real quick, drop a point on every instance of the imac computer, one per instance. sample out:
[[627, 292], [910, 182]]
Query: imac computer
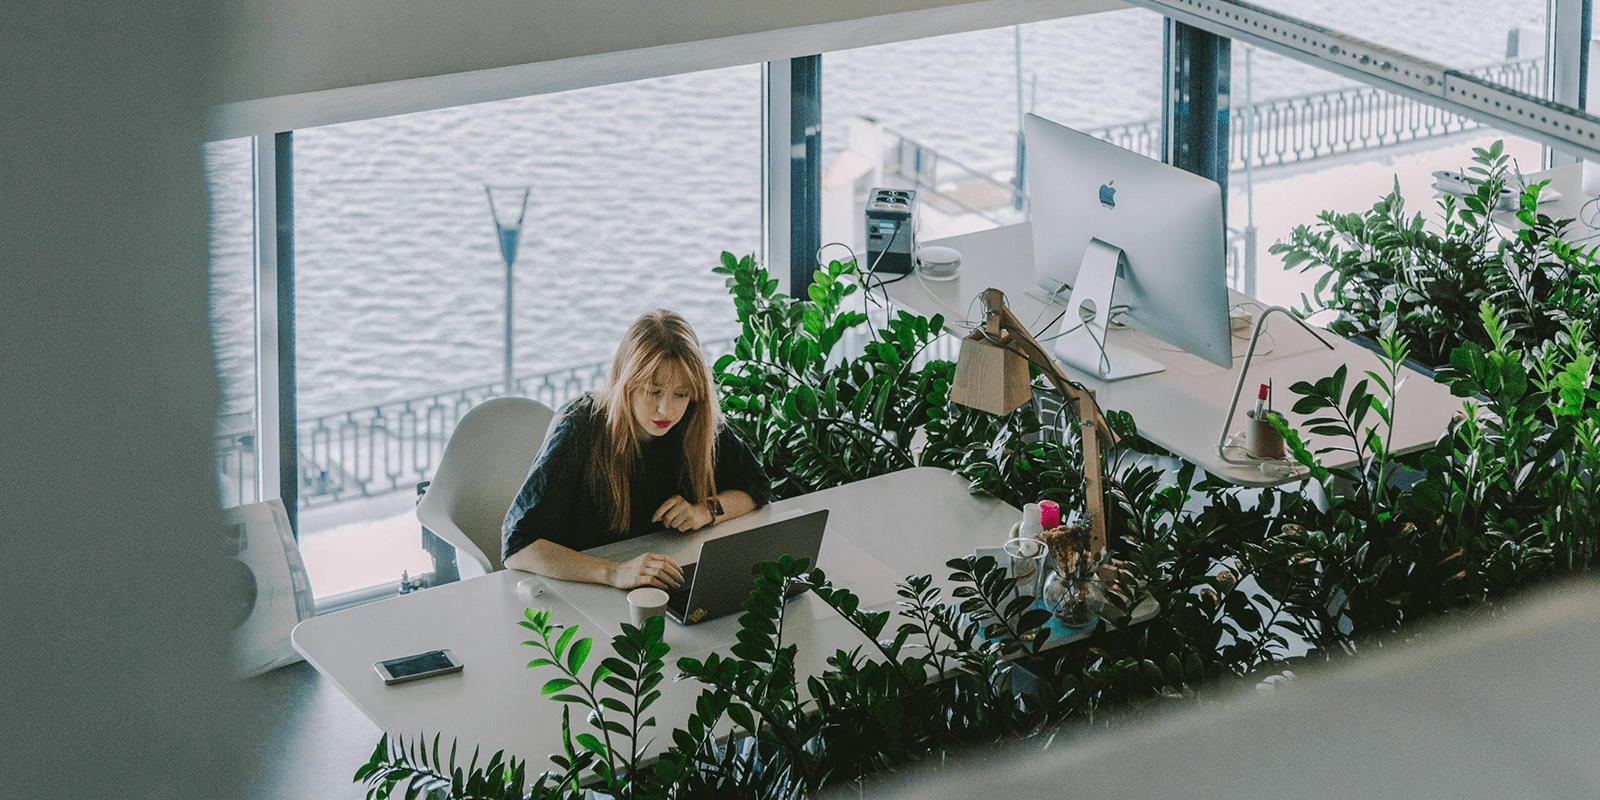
[[1123, 231]]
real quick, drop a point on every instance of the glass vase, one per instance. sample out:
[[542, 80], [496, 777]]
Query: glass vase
[[1071, 600]]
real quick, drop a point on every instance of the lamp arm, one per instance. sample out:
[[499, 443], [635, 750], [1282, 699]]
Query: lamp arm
[[1023, 344], [1009, 332]]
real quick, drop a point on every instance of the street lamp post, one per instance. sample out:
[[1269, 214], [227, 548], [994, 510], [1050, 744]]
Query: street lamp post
[[507, 233]]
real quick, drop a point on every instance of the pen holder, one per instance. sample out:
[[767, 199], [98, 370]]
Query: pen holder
[[1261, 440]]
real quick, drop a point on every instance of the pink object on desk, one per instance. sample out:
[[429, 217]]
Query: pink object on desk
[[1049, 514]]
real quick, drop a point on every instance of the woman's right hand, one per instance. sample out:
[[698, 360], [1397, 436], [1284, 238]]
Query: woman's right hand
[[650, 569]]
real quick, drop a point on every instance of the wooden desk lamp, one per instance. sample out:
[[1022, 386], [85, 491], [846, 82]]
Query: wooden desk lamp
[[992, 375]]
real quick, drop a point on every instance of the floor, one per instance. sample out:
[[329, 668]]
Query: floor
[[319, 738]]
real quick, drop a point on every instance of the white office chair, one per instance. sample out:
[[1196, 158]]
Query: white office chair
[[482, 470]]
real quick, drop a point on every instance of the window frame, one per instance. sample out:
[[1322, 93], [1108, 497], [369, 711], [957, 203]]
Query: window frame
[[791, 130]]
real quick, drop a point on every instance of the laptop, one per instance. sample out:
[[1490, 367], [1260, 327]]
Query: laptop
[[720, 580]]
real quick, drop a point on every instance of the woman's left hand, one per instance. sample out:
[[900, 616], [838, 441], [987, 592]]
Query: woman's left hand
[[681, 515]]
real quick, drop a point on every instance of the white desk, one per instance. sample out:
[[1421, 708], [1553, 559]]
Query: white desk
[[1182, 407], [913, 520], [1568, 180]]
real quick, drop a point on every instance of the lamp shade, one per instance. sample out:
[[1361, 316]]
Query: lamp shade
[[990, 377]]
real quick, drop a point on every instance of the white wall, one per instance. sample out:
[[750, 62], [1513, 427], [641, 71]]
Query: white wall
[[298, 63], [113, 676]]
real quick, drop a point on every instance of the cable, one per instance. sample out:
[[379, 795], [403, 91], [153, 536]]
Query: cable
[[1111, 324], [847, 248], [937, 298], [896, 279], [1105, 358], [872, 272], [1260, 310], [966, 319], [854, 259], [866, 280], [1242, 303], [962, 319], [1049, 324], [1588, 217], [1049, 301]]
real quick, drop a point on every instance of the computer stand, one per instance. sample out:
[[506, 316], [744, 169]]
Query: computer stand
[[1083, 342], [1244, 371]]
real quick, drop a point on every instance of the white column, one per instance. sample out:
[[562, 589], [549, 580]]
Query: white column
[[266, 318], [1566, 38], [775, 170]]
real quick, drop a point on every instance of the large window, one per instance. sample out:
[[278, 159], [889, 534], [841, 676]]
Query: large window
[[942, 114], [635, 190], [1316, 141]]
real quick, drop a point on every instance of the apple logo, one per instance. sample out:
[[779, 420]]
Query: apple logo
[[1108, 195]]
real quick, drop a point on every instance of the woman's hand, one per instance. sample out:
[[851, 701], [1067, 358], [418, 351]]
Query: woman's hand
[[650, 569], [681, 515]]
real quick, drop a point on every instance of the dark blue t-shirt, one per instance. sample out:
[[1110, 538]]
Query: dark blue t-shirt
[[558, 504]]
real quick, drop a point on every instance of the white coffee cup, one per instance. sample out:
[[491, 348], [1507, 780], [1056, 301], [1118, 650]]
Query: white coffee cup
[[645, 603]]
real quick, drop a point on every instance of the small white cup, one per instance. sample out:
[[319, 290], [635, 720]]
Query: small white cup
[[1027, 558], [529, 588], [645, 603]]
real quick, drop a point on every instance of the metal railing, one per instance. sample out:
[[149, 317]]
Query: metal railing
[[234, 444], [1236, 240], [1290, 130], [391, 446]]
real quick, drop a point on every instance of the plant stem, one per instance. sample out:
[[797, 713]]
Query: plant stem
[[895, 448]]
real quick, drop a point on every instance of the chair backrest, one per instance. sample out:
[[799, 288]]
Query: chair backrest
[[482, 469]]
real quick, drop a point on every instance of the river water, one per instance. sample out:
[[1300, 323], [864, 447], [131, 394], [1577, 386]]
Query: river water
[[638, 187]]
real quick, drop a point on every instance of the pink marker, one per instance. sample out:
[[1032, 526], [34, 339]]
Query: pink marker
[[1049, 514], [1261, 404]]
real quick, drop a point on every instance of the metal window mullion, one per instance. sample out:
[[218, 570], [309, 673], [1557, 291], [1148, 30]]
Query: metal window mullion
[[805, 170], [288, 439], [1195, 100]]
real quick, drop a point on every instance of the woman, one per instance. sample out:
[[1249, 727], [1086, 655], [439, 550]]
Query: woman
[[647, 449]]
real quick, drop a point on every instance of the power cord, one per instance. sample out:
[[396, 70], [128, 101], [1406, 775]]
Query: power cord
[[866, 279], [872, 273], [1589, 213], [965, 316], [1050, 300]]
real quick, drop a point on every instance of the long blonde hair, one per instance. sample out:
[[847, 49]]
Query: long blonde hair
[[657, 339]]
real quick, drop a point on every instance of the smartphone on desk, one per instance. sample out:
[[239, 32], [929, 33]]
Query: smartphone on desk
[[417, 667]]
